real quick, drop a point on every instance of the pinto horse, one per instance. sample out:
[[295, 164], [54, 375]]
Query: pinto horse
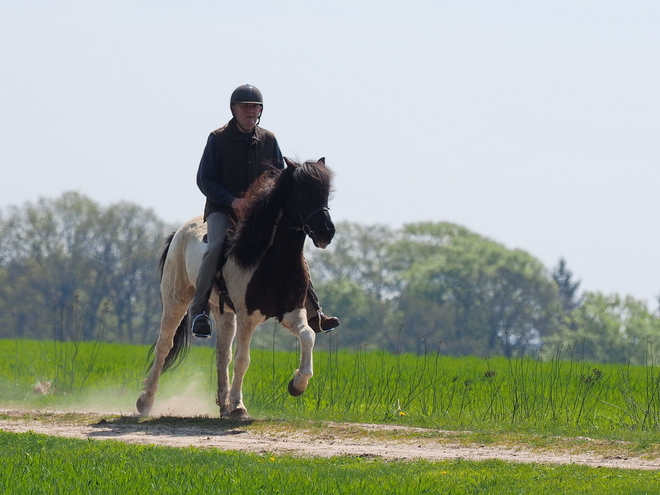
[[265, 275]]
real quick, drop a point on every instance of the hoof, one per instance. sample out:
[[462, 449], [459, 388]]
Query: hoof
[[239, 414], [142, 407], [293, 390]]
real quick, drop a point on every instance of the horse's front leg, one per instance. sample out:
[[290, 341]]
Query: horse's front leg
[[244, 331], [226, 325], [296, 322]]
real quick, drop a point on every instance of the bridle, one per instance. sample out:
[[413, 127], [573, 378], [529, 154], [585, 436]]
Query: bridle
[[304, 226]]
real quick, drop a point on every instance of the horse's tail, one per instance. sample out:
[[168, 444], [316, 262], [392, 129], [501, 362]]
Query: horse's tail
[[180, 347], [182, 341], [183, 334], [163, 255]]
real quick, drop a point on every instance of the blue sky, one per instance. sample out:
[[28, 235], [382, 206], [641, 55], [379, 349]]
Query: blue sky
[[532, 123]]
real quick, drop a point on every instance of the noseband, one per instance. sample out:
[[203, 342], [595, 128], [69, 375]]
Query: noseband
[[304, 227]]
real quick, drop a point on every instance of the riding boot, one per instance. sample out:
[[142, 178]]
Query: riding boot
[[319, 322]]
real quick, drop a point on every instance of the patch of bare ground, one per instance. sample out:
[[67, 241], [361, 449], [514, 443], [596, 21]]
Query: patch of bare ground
[[328, 439]]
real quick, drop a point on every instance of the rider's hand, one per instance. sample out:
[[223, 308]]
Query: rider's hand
[[237, 203]]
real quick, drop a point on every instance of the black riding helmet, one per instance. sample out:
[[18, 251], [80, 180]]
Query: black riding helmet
[[246, 94]]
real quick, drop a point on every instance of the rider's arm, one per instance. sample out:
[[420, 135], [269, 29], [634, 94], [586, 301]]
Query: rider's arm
[[278, 161], [208, 175]]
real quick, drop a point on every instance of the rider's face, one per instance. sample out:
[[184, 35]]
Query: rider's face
[[247, 115]]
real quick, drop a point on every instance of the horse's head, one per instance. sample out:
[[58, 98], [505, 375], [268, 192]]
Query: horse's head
[[312, 184]]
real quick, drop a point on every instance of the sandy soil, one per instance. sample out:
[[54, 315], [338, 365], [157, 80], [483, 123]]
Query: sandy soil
[[333, 439]]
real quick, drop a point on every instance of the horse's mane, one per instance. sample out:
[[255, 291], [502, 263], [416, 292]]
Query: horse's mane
[[264, 201], [256, 218]]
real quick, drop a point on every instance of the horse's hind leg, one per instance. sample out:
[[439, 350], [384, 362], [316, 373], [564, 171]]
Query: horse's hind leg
[[226, 327], [296, 322], [173, 314]]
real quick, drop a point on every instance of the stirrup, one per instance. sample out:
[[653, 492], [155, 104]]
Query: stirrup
[[201, 326]]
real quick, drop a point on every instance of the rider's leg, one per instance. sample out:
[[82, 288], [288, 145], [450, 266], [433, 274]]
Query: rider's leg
[[217, 224], [316, 319]]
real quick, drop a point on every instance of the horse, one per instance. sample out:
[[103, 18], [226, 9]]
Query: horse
[[265, 274]]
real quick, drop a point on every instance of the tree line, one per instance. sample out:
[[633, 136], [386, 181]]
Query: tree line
[[440, 287], [71, 268]]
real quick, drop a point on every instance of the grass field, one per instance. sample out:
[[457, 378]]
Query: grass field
[[533, 400], [562, 396], [42, 464]]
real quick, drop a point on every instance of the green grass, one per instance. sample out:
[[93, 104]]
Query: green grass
[[517, 402], [41, 464], [84, 374], [563, 396]]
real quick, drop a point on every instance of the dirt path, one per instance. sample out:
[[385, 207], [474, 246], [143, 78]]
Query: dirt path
[[325, 440]]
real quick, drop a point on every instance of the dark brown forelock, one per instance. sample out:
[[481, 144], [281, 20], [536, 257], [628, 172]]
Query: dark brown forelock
[[315, 176]]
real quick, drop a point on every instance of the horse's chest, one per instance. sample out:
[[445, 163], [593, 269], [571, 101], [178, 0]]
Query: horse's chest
[[277, 287]]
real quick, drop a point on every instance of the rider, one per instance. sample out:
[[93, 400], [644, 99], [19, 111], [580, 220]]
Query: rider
[[234, 157]]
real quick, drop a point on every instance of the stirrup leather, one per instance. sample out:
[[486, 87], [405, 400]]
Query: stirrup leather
[[320, 315]]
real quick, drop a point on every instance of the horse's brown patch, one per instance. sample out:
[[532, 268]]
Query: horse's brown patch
[[279, 284]]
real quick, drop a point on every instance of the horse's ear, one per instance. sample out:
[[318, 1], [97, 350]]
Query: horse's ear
[[322, 160], [290, 163]]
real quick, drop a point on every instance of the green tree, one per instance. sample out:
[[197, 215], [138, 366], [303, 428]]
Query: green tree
[[473, 294], [428, 283], [355, 280], [358, 253], [71, 255], [364, 315], [611, 328], [129, 246], [568, 288], [47, 250]]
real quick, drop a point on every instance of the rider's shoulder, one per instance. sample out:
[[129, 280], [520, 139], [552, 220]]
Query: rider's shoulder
[[263, 133], [221, 130]]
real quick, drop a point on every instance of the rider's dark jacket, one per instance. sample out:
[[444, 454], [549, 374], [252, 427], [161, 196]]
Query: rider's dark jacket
[[232, 160]]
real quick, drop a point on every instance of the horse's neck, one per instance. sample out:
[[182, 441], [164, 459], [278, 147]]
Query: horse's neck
[[287, 243], [280, 242]]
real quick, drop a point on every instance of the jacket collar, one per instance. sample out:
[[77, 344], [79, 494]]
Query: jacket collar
[[236, 135]]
